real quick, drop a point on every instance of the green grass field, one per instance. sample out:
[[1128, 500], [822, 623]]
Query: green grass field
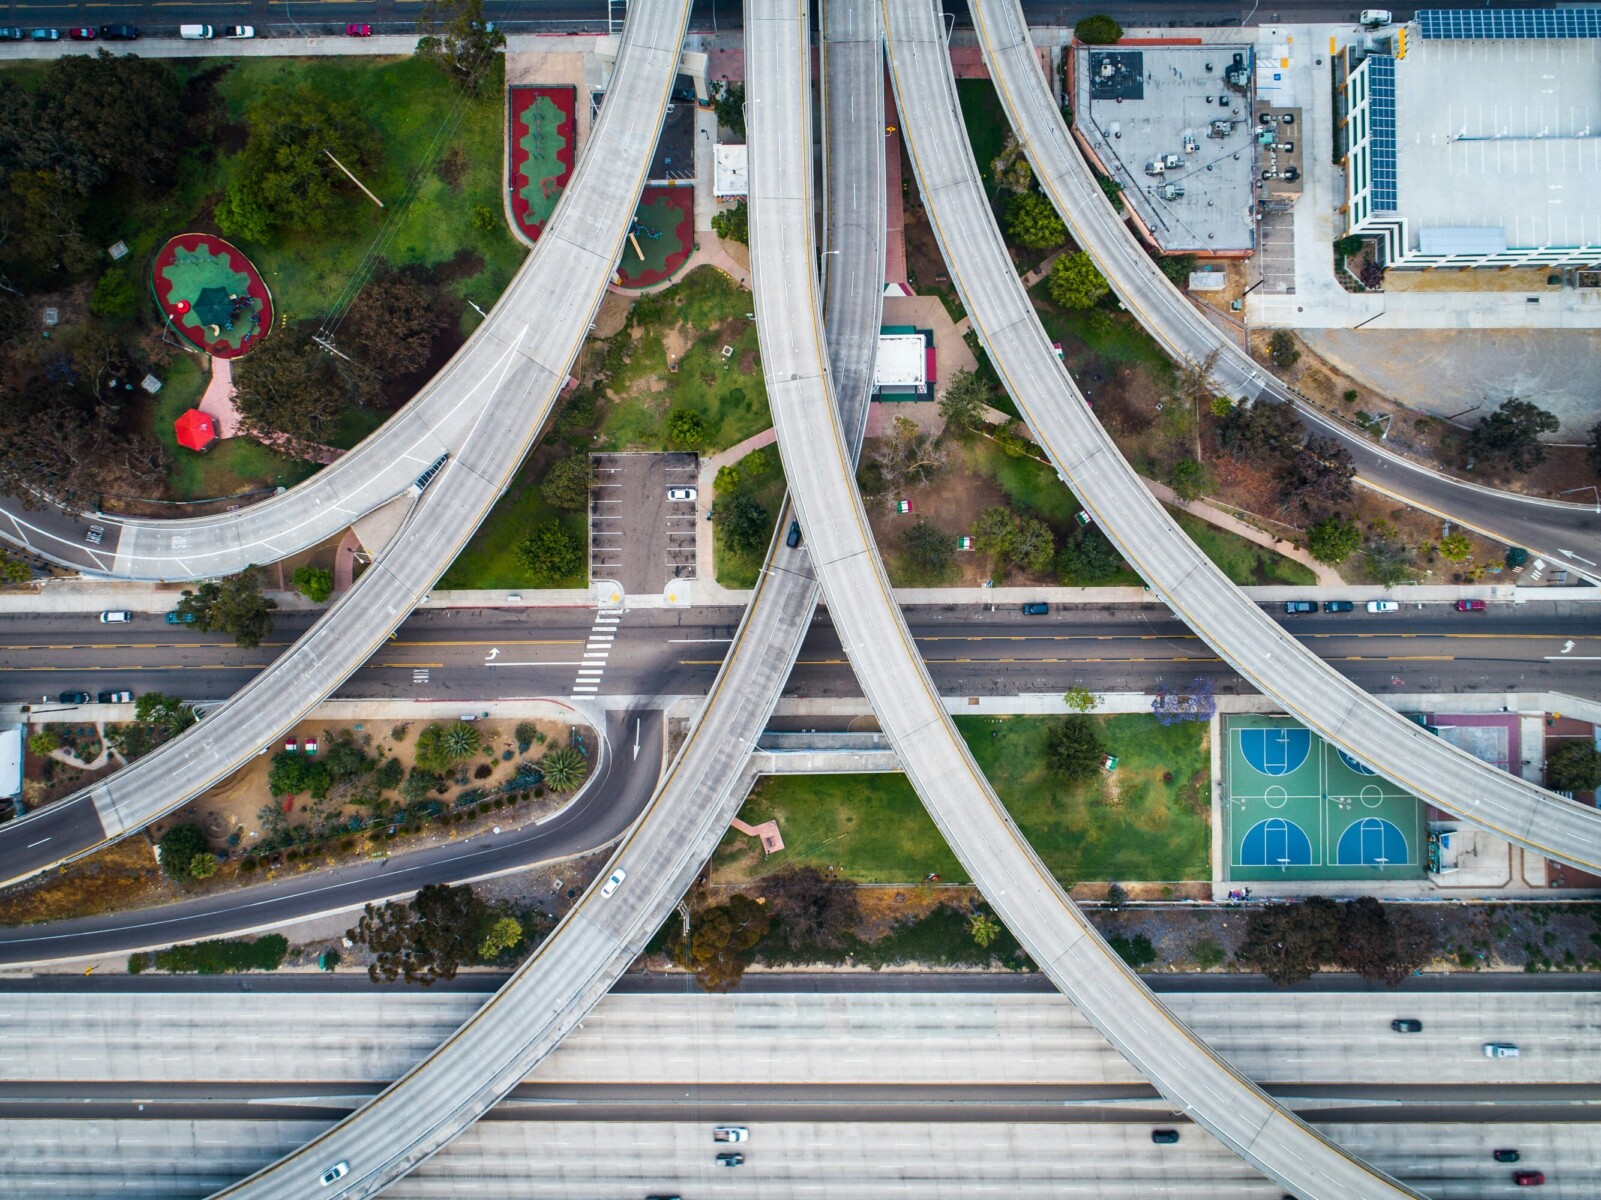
[[708, 311], [1244, 562], [489, 560], [761, 478], [1133, 825], [1115, 338], [229, 467], [986, 123]]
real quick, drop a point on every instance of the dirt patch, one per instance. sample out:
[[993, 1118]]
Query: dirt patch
[[120, 877], [677, 340], [613, 315], [1517, 279], [883, 908], [952, 503], [1237, 277]]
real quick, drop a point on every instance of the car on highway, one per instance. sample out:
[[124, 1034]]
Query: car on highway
[[335, 1173], [1470, 606], [47, 35], [1500, 1050], [83, 33], [356, 30], [681, 493], [180, 618], [1292, 607], [1407, 1025], [1528, 1178], [1505, 1156], [1337, 606], [793, 537], [730, 1133], [730, 1160], [1036, 608], [114, 698], [10, 33], [1381, 606], [1165, 1137], [614, 882], [116, 616], [120, 33], [237, 32], [73, 698]]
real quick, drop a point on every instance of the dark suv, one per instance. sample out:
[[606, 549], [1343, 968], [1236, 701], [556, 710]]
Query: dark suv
[[1165, 1137], [1407, 1025], [119, 33], [1300, 606], [74, 698], [1338, 606]]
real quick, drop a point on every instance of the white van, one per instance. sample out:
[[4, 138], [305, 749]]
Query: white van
[[195, 33], [1375, 17]]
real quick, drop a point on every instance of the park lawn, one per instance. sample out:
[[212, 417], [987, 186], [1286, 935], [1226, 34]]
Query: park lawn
[[1116, 338], [1125, 825], [699, 316], [986, 124], [229, 467], [761, 478], [873, 828], [1244, 562], [489, 559]]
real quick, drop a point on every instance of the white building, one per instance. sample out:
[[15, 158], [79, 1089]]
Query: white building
[[1472, 138], [730, 172]]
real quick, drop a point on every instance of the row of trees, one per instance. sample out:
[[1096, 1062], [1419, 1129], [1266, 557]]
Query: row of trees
[[1292, 942]]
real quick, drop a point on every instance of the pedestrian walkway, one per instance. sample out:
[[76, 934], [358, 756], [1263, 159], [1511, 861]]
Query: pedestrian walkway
[[767, 831]]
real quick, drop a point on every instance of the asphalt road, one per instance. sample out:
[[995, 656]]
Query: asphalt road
[[489, 654], [614, 796]]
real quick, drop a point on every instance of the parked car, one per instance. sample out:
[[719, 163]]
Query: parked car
[[10, 33], [83, 33], [1528, 1178], [119, 33], [1036, 608], [194, 33], [681, 493], [114, 698], [793, 537], [1383, 606], [1470, 606], [1407, 1025], [1299, 606], [180, 618], [355, 30], [74, 698], [47, 35], [1500, 1050], [730, 1133], [1375, 17], [1165, 1137], [116, 616], [238, 31], [614, 882], [730, 1160], [1337, 606], [1505, 1156]]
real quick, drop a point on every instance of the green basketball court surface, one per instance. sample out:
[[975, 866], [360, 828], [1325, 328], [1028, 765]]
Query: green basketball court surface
[[1297, 808]]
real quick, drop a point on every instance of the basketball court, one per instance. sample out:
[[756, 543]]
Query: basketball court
[[1298, 808]]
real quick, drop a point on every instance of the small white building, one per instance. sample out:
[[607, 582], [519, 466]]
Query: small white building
[[730, 177], [11, 761], [905, 368]]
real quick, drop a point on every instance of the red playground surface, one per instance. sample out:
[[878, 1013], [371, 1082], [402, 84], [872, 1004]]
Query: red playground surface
[[543, 138], [663, 236], [212, 295]]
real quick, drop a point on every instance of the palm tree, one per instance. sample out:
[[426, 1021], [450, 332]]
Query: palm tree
[[462, 740], [564, 768]]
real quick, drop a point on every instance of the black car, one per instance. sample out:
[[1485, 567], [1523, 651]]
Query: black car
[[1165, 1137], [793, 539], [1506, 1156], [730, 1160], [1300, 606], [1338, 606], [119, 33], [1407, 1025], [75, 698]]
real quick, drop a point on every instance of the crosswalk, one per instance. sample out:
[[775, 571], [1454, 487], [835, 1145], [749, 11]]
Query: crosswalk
[[596, 651]]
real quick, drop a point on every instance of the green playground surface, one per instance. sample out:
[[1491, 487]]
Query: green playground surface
[[542, 130], [211, 294], [1297, 808], [662, 236]]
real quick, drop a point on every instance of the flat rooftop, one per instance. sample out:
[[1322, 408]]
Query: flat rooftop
[[1500, 135], [902, 361], [1138, 104]]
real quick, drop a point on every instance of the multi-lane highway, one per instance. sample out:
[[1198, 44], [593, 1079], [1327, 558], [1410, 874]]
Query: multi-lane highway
[[493, 654]]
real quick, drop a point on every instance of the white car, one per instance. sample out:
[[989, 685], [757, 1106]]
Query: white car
[[336, 1172], [1500, 1050], [682, 494], [615, 882], [116, 616], [1383, 606], [730, 1133], [1375, 17], [236, 32]]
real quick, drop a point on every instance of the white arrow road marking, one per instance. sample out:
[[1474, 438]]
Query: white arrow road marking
[[494, 653]]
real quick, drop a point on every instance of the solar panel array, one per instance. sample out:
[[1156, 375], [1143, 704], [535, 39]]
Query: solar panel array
[[1508, 23], [1381, 127]]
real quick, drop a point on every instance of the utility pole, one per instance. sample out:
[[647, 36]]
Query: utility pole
[[352, 178]]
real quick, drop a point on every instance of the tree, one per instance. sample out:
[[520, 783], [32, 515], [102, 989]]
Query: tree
[[928, 548], [1333, 540], [420, 784], [388, 775], [1509, 438], [744, 524], [1009, 169], [1282, 349], [314, 583], [1035, 548], [1348, 247], [1316, 481], [1574, 766], [686, 429], [995, 535], [168, 713], [1031, 221], [1076, 282], [1074, 749], [1191, 479], [984, 928], [441, 747], [1389, 561], [1291, 942], [1087, 559], [564, 768], [293, 773], [394, 321], [46, 741], [1113, 191], [905, 457], [235, 606], [1456, 547], [115, 295], [720, 942], [203, 865], [810, 908], [461, 740], [290, 385], [1192, 702], [456, 38], [566, 483], [1267, 432], [733, 223], [1116, 896], [1098, 30], [1080, 699], [285, 177], [1378, 944], [502, 935], [963, 401], [424, 940], [729, 102], [177, 849], [552, 554]]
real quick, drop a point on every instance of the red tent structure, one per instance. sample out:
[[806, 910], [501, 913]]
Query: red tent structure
[[195, 430]]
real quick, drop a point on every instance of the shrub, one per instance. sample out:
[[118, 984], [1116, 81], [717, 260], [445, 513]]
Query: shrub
[[314, 583], [178, 848], [1282, 349], [1098, 30], [485, 218], [138, 962], [223, 957], [1137, 951], [1076, 282], [247, 865], [551, 554]]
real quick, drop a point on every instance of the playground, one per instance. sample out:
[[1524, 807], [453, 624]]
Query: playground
[[211, 294], [661, 238], [543, 145], [1298, 808]]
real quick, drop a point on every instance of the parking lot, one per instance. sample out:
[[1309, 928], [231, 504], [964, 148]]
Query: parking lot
[[638, 537]]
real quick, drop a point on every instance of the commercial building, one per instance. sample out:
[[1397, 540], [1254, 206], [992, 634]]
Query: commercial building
[[1472, 138]]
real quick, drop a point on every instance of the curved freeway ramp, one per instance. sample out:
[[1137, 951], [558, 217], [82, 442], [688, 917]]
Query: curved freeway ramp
[[1546, 526], [977, 827], [519, 362], [1090, 463], [602, 935]]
